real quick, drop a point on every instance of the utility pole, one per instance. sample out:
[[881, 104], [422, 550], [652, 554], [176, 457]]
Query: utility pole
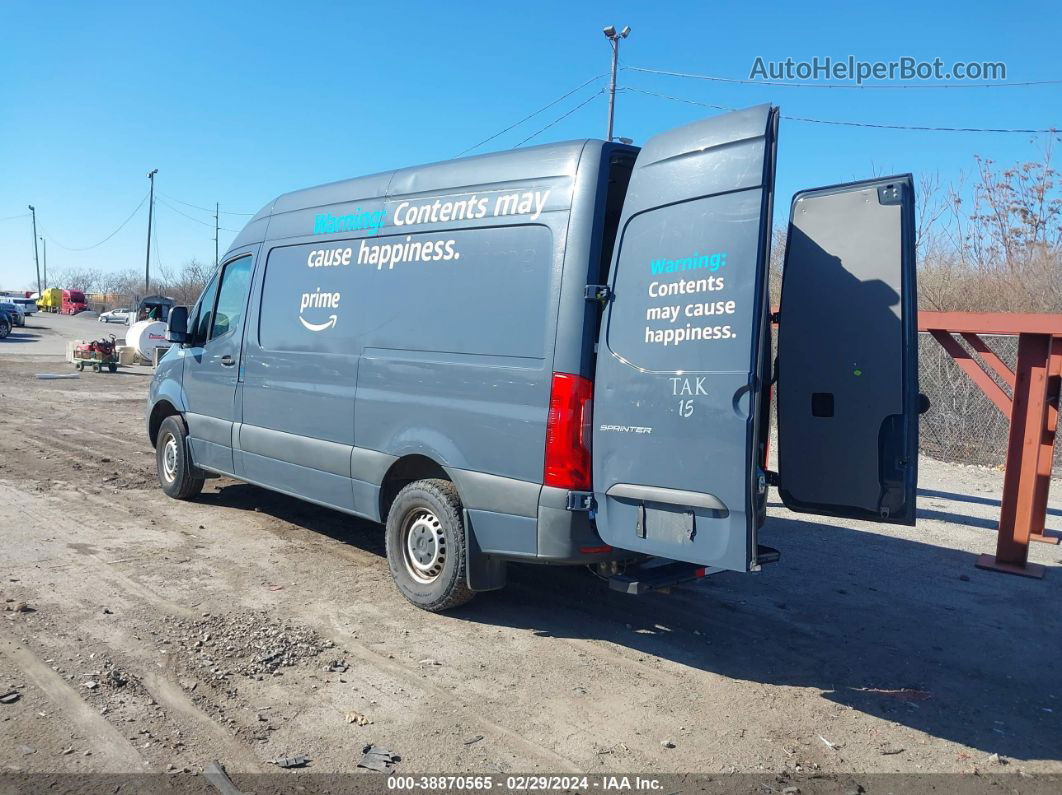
[[44, 250], [36, 259], [614, 40], [217, 212], [151, 213]]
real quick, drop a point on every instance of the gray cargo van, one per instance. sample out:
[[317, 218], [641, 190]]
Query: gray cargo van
[[560, 354]]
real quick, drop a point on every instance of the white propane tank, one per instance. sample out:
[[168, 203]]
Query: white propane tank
[[146, 335]]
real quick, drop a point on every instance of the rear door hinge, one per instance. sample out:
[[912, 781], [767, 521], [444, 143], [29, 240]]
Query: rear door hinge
[[597, 292], [775, 317], [580, 501], [772, 478]]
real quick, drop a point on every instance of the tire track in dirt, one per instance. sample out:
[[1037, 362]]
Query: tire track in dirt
[[73, 529], [77, 535], [541, 603], [84, 464], [180, 708], [550, 708], [165, 691], [335, 632], [108, 741]]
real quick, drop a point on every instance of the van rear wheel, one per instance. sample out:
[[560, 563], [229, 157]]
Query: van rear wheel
[[174, 465], [426, 548]]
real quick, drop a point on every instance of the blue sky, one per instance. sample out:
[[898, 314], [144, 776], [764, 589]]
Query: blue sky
[[238, 102]]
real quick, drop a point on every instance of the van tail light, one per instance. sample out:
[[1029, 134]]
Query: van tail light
[[568, 433]]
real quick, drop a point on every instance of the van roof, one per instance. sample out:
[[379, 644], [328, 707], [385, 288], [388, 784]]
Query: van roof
[[477, 172]]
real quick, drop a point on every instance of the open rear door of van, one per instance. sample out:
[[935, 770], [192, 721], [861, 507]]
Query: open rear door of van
[[848, 353], [683, 349]]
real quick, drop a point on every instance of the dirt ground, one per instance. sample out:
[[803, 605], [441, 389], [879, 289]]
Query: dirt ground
[[144, 633]]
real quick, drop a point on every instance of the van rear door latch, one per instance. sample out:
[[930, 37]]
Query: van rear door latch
[[597, 292], [580, 501]]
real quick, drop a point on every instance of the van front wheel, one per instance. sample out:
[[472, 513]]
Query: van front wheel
[[426, 548], [174, 466]]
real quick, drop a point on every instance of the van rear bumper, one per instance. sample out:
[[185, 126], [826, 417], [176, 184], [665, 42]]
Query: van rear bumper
[[569, 537], [556, 536]]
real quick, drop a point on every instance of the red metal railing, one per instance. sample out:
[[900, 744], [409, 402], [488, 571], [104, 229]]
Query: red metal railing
[[1032, 406]]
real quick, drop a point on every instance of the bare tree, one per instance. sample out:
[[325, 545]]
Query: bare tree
[[994, 247], [88, 280], [186, 285], [1017, 212]]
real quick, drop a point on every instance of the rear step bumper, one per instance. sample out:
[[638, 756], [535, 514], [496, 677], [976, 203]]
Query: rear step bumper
[[765, 554], [659, 573]]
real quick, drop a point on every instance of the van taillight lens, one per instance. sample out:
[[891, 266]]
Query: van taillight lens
[[568, 433]]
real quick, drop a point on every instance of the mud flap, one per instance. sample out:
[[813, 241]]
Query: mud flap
[[483, 572]]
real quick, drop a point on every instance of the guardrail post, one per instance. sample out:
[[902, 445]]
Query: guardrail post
[[1047, 444], [1018, 513]]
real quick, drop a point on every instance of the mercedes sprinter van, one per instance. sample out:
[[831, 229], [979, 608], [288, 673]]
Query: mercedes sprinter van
[[560, 354]]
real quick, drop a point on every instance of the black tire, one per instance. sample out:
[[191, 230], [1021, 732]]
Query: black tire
[[432, 510], [5, 328], [112, 367], [80, 366], [175, 475]]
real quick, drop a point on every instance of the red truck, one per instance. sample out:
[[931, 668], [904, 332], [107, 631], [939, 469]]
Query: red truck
[[73, 302]]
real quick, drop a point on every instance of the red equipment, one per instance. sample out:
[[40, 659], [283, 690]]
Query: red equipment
[[98, 353]]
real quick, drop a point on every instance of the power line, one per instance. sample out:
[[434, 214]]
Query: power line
[[561, 118], [921, 128], [97, 245], [204, 209], [841, 123], [190, 218], [532, 115], [676, 99], [875, 86], [13, 217]]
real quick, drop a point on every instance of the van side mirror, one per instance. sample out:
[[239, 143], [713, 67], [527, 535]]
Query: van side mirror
[[177, 325]]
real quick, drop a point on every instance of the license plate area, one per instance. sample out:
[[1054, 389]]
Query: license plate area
[[674, 524]]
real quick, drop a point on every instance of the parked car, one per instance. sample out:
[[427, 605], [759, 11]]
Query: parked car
[[5, 324], [18, 316], [28, 305], [115, 316]]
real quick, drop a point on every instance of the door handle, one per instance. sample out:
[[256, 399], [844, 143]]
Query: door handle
[[227, 361]]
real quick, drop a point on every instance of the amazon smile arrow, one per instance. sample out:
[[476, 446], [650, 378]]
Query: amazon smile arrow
[[319, 326]]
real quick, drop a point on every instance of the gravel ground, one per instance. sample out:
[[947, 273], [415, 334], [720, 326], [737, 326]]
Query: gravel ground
[[144, 634]]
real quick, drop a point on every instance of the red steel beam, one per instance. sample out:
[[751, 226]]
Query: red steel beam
[[1047, 445], [972, 368], [1027, 422], [989, 357], [990, 323]]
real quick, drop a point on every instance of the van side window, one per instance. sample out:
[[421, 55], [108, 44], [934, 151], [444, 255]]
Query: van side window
[[232, 297], [204, 312]]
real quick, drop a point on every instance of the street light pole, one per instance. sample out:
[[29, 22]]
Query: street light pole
[[151, 213], [44, 251], [36, 259], [614, 40]]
